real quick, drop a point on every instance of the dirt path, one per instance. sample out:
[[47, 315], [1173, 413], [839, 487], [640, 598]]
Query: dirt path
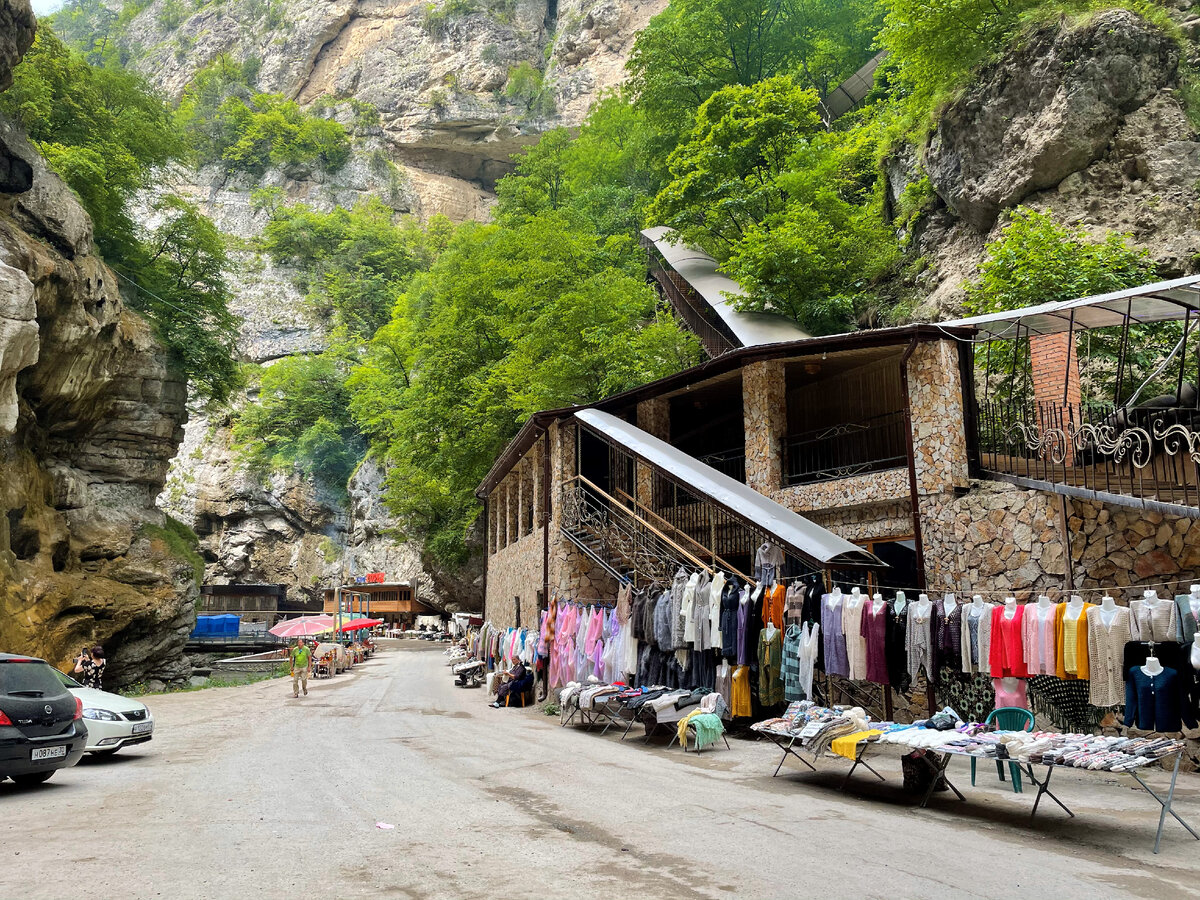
[[245, 792]]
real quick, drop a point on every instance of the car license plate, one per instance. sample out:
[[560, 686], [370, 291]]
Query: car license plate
[[47, 753], [143, 727]]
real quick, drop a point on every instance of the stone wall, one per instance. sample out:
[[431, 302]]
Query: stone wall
[[869, 522], [764, 414], [514, 577], [844, 493]]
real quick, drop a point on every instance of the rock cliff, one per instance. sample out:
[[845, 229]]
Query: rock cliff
[[1084, 120], [90, 417], [440, 74]]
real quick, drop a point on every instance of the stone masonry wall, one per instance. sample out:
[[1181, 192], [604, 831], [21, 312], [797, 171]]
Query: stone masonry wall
[[764, 414], [514, 576]]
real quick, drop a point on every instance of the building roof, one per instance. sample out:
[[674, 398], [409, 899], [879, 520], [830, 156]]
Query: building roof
[[698, 269], [832, 343], [1159, 302], [802, 537]]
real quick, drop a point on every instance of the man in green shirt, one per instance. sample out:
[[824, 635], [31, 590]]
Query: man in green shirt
[[301, 658]]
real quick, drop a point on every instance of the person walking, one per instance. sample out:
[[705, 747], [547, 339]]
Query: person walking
[[301, 658]]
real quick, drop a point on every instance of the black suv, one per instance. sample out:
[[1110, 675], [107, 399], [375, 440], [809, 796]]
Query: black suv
[[41, 722]]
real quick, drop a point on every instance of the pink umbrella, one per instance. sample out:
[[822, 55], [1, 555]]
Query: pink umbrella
[[301, 626]]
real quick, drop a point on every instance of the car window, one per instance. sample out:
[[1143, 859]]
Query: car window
[[18, 677], [67, 680]]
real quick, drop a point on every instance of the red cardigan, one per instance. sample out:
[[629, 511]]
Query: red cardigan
[[1007, 653]]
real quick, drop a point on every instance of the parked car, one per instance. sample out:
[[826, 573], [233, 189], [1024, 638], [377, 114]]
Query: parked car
[[41, 722], [113, 721]]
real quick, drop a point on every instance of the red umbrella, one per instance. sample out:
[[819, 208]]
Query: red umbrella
[[356, 624]]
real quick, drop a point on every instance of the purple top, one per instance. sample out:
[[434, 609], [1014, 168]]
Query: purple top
[[742, 612], [874, 629], [834, 638]]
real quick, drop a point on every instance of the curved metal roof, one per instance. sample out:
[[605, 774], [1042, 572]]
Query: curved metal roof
[[699, 270], [794, 532], [1158, 302]]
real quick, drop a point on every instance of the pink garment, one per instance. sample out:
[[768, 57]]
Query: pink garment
[[595, 630], [1016, 697], [1006, 652], [1039, 660]]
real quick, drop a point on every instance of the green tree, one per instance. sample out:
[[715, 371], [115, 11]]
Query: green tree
[[106, 134], [353, 263], [302, 420], [1038, 260], [725, 175], [696, 47]]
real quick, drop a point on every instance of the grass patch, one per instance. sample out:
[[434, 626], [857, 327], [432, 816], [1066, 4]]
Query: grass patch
[[181, 541]]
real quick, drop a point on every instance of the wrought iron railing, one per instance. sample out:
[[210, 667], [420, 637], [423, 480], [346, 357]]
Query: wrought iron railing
[[849, 448], [728, 462], [690, 309], [1148, 453], [625, 544]]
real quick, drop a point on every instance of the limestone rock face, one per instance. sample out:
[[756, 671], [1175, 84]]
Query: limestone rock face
[[437, 77], [89, 419], [1048, 109], [16, 35], [1084, 122]]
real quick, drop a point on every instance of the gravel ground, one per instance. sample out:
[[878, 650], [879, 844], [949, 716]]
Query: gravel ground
[[246, 792]]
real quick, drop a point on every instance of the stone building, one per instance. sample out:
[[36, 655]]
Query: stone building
[[876, 438]]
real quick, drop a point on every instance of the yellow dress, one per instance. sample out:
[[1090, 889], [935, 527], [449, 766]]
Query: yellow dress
[[741, 692]]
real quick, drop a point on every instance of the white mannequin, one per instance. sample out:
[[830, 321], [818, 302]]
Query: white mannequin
[[1152, 667], [1044, 607], [1194, 601], [1196, 652], [948, 604], [977, 602], [1074, 608], [877, 604], [855, 598], [1009, 683], [901, 602], [770, 630], [1108, 610], [835, 598], [1010, 607], [1150, 598], [923, 607]]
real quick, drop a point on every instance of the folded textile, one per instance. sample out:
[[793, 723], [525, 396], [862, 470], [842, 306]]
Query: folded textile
[[847, 744], [708, 728]]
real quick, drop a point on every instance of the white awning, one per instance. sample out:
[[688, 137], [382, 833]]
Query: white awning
[[1162, 301], [700, 271], [794, 533]]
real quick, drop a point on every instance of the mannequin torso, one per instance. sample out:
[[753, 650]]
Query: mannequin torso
[[1108, 611], [1010, 607]]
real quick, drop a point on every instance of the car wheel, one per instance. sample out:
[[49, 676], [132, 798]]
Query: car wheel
[[31, 779]]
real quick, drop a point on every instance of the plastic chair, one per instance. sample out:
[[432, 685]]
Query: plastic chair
[[1008, 718]]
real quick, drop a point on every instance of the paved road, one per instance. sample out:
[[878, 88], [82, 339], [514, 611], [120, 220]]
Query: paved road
[[246, 792]]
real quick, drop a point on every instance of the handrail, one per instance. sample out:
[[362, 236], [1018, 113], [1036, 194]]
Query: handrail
[[606, 495], [644, 510]]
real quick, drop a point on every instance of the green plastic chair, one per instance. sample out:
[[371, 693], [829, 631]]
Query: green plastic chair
[[1008, 718]]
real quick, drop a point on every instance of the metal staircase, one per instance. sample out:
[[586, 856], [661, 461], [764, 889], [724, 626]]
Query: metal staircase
[[622, 543]]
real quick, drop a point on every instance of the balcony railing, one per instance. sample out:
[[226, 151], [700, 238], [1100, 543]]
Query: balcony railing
[[1148, 453], [691, 310], [849, 448], [728, 462]]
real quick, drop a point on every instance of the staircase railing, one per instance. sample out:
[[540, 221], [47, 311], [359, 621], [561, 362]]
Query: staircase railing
[[623, 543]]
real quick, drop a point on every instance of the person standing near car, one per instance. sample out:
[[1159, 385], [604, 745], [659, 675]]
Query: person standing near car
[[89, 666], [301, 657]]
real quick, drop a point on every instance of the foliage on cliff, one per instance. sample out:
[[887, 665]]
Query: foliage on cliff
[[106, 133]]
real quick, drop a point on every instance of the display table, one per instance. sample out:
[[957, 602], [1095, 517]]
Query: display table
[[809, 728]]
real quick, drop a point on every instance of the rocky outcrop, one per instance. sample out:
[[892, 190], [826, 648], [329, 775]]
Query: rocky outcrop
[[437, 73], [1048, 109], [89, 419], [1082, 120]]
